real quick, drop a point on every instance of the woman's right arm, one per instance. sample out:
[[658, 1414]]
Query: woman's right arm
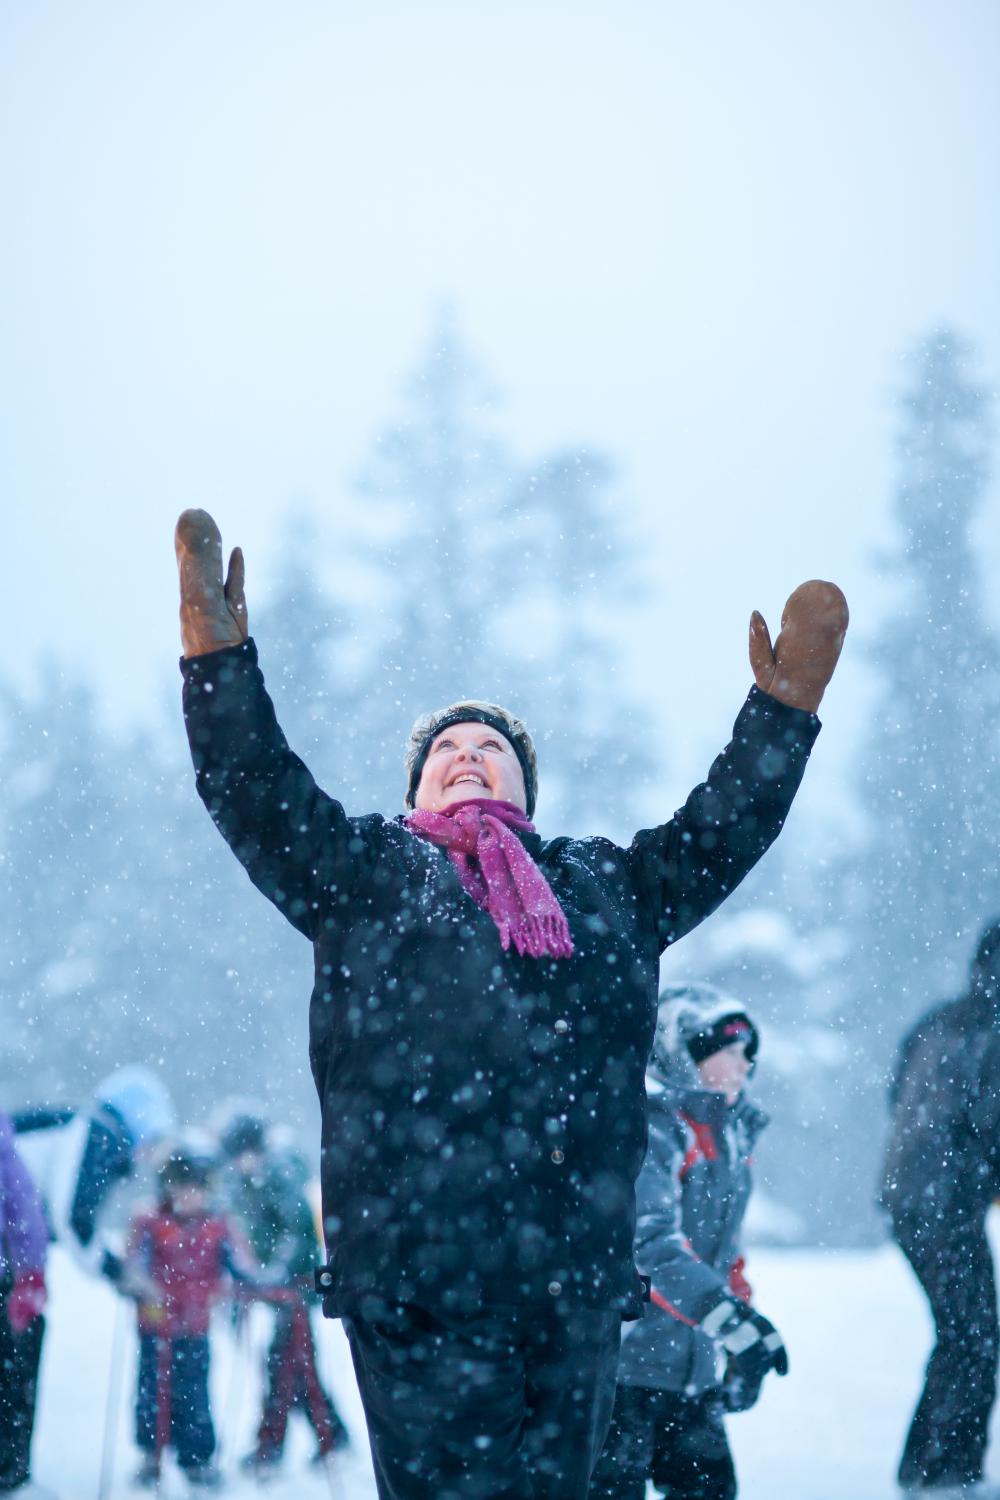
[[296, 843]]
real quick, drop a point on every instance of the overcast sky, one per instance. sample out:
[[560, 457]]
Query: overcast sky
[[700, 236]]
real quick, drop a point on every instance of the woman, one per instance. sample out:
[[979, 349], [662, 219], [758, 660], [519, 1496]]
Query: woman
[[483, 1009]]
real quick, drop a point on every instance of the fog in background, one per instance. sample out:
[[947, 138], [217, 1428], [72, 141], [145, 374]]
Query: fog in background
[[659, 271]]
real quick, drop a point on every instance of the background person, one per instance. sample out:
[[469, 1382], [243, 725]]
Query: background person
[[180, 1255], [483, 1009], [24, 1238], [80, 1158], [265, 1191], [701, 1348], [942, 1171]]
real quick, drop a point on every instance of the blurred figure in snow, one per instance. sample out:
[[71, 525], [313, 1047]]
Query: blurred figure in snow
[[701, 1349], [179, 1256], [24, 1239], [266, 1191], [79, 1157], [942, 1172]]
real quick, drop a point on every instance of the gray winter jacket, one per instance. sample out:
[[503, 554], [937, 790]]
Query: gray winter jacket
[[692, 1195]]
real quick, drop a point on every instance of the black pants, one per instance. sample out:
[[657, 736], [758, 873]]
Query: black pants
[[509, 1404], [676, 1441], [172, 1401], [293, 1382], [946, 1443], [19, 1356]]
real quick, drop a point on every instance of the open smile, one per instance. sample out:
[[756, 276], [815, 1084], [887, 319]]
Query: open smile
[[472, 776]]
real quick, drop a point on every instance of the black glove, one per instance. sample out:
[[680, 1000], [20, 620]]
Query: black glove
[[754, 1347], [742, 1382]]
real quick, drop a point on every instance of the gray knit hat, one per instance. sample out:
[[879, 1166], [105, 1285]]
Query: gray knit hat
[[471, 710]]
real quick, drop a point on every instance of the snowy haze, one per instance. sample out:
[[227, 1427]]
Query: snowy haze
[[698, 237]]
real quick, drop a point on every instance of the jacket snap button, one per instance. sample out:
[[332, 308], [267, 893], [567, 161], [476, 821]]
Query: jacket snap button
[[326, 1279], [555, 1287], [558, 1156], [562, 1026]]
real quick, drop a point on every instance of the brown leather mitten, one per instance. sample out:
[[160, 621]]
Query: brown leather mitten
[[798, 667], [213, 613]]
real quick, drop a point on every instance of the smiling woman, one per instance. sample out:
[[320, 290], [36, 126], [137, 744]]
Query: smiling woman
[[483, 1010], [471, 744]]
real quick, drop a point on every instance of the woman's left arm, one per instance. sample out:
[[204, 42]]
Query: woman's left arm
[[687, 867]]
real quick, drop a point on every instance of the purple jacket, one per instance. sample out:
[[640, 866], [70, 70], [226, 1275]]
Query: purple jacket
[[24, 1233]]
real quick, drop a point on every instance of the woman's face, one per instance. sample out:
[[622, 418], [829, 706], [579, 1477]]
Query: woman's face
[[470, 760], [726, 1071]]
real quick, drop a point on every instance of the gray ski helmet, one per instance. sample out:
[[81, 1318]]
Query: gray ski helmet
[[243, 1133], [687, 1023], [184, 1167]]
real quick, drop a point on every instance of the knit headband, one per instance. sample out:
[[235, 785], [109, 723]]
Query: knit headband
[[734, 1027], [473, 716]]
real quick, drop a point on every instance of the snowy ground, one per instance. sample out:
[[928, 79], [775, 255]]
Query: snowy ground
[[856, 1328]]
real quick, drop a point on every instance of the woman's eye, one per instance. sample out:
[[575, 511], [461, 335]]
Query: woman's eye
[[492, 744]]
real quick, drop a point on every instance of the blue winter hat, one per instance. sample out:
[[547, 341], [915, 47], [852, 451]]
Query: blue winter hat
[[142, 1101]]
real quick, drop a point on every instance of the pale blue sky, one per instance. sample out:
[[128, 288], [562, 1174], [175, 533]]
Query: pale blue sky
[[698, 235]]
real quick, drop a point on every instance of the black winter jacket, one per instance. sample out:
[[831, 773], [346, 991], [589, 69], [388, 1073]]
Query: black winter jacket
[[943, 1156], [483, 1112]]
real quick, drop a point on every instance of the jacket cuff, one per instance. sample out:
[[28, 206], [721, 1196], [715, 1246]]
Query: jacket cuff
[[784, 735], [206, 666], [775, 713]]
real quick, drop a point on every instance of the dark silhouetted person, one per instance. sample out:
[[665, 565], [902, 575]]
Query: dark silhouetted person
[[942, 1172]]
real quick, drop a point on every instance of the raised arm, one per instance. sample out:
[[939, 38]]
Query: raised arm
[[295, 842], [687, 867]]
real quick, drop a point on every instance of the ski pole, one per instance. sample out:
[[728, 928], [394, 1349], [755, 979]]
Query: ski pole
[[334, 1481], [164, 1397], [234, 1386], [112, 1404]]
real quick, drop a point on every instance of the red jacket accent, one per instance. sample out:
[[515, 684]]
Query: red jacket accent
[[658, 1299], [702, 1148], [738, 1284], [187, 1260]]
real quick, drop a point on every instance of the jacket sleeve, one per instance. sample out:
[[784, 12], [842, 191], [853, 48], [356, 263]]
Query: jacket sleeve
[[687, 1286], [237, 1259], [685, 868], [292, 839], [139, 1247]]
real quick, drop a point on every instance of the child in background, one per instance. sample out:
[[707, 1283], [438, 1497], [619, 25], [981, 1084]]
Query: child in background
[[180, 1253], [265, 1190], [701, 1349]]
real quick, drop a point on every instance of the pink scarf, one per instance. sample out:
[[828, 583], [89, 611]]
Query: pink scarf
[[499, 873]]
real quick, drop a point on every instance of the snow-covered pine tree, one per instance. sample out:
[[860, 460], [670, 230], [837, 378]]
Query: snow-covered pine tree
[[929, 773], [60, 979], [497, 581], [566, 544], [427, 531]]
